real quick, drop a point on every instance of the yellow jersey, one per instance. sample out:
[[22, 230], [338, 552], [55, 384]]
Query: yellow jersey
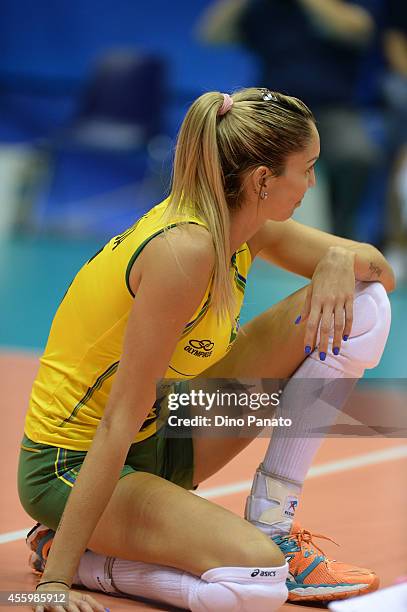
[[86, 338]]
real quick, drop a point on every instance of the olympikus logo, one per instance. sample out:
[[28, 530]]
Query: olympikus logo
[[258, 572], [200, 348]]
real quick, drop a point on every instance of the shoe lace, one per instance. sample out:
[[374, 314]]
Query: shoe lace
[[303, 536]]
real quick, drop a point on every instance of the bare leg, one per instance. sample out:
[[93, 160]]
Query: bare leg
[[155, 521], [269, 346]]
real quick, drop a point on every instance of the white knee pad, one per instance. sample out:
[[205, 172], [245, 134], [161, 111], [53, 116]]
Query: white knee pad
[[240, 589], [368, 337]]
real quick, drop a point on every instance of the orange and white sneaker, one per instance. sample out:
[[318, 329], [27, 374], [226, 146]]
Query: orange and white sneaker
[[314, 577], [39, 540]]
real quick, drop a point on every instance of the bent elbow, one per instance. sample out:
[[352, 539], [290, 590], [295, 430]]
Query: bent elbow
[[391, 282]]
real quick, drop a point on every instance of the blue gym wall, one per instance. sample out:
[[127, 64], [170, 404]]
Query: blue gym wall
[[48, 47], [46, 50]]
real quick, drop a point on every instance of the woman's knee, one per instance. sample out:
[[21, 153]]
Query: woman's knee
[[263, 553], [370, 329], [371, 324], [248, 554], [243, 545]]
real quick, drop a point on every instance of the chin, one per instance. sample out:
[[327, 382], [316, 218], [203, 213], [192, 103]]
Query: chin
[[283, 215], [286, 217]]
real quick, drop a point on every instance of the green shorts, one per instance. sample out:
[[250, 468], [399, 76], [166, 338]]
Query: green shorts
[[46, 473]]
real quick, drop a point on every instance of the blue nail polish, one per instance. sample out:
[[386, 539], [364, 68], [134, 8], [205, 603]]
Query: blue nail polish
[[322, 356], [297, 320], [345, 338], [335, 350], [308, 349]]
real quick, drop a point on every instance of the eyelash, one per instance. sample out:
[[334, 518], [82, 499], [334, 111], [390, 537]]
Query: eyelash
[[309, 169]]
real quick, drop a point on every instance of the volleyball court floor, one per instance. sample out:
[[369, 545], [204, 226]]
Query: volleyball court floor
[[356, 490], [355, 494]]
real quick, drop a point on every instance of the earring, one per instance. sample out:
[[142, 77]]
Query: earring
[[263, 195]]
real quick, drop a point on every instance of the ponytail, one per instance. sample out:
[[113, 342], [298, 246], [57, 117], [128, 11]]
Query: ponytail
[[198, 188]]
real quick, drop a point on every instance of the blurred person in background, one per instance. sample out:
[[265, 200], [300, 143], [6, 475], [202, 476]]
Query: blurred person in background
[[395, 95], [314, 50]]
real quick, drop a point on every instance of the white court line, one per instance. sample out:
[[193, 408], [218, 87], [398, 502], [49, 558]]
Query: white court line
[[11, 536], [389, 454], [331, 467]]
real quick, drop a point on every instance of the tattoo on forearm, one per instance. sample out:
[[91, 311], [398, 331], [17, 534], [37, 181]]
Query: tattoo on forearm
[[374, 270]]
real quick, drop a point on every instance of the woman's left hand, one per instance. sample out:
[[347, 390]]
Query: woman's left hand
[[330, 295]]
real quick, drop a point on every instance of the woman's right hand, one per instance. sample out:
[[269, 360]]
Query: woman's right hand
[[78, 601]]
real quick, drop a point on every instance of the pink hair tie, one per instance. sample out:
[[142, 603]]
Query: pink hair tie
[[227, 104]]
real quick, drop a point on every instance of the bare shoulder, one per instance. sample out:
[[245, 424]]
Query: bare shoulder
[[184, 252], [191, 240], [189, 245]]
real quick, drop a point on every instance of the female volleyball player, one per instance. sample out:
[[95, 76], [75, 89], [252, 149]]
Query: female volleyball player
[[163, 299]]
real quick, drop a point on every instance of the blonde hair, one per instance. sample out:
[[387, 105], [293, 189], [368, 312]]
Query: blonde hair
[[214, 151]]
